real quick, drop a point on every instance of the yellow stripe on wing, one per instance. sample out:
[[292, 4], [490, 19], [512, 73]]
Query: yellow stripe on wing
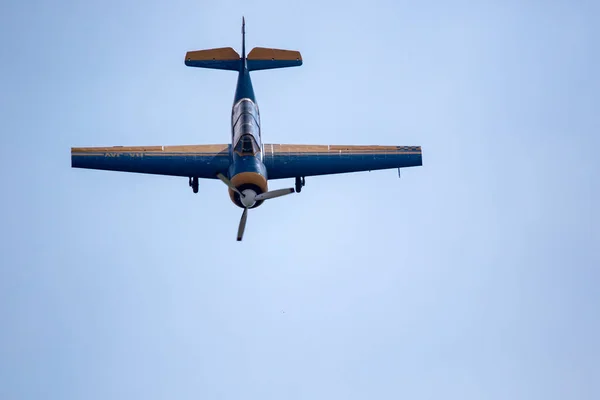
[[207, 149]]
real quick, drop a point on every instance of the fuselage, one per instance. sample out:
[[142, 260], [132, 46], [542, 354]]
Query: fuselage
[[247, 171]]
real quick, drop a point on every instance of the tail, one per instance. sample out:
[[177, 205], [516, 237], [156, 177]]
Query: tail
[[243, 39], [226, 58]]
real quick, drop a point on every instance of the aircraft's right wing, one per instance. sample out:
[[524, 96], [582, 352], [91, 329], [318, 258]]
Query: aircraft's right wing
[[297, 160]]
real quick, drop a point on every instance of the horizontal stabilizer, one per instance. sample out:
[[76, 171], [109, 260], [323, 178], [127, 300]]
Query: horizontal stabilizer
[[264, 58], [222, 58]]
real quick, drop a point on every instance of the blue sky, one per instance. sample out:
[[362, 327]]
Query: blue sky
[[474, 276]]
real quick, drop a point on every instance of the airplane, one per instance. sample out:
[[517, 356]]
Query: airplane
[[246, 164]]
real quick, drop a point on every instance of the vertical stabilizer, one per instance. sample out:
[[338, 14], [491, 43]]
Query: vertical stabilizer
[[243, 40]]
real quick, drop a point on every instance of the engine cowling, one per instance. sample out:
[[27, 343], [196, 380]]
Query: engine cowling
[[251, 181]]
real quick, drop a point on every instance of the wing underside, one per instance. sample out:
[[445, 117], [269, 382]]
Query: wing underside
[[290, 160], [281, 160], [202, 161]]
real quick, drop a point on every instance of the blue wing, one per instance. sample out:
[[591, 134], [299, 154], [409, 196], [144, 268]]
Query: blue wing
[[202, 161], [290, 160]]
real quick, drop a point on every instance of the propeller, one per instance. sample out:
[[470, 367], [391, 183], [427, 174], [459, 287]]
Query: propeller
[[228, 183], [248, 198], [242, 225], [273, 193]]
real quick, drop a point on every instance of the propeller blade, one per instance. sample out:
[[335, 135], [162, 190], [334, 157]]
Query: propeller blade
[[273, 193], [228, 183], [242, 225]]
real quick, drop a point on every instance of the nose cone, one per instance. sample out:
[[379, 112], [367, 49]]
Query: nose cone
[[249, 198]]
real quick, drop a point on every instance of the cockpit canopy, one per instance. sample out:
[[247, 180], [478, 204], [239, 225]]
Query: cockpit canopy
[[247, 146], [245, 121], [247, 107]]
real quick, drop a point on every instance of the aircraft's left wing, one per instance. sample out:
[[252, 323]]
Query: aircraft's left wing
[[298, 160], [202, 161]]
